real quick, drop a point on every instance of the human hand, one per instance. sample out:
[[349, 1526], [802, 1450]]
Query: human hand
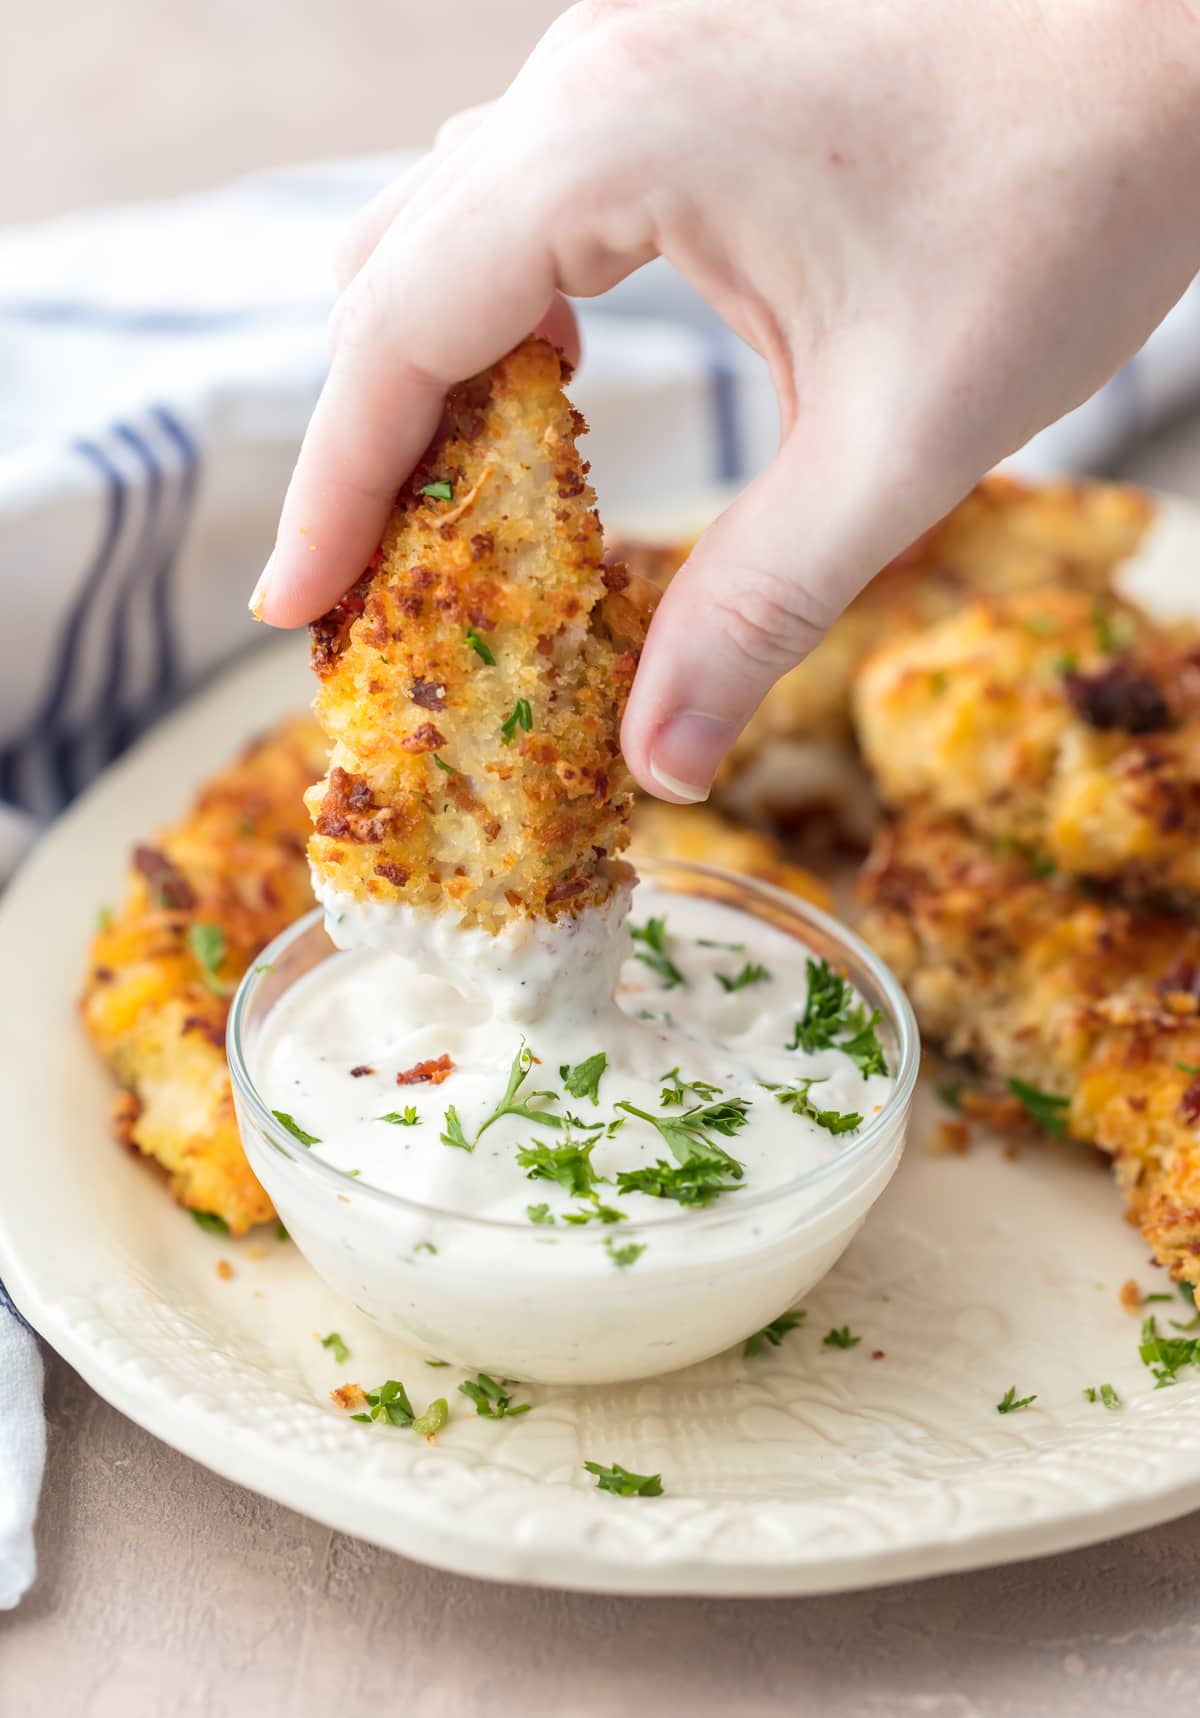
[[941, 225]]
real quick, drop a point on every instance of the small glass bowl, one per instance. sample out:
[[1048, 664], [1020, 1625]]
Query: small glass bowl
[[494, 1293]]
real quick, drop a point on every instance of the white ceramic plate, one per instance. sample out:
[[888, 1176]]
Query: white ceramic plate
[[806, 1469]]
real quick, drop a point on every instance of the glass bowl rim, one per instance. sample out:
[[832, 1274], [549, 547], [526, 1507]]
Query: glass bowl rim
[[898, 1014]]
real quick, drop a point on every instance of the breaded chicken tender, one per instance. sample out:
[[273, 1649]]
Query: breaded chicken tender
[[199, 905], [1004, 537], [1069, 728], [702, 836], [473, 680], [1093, 1006]]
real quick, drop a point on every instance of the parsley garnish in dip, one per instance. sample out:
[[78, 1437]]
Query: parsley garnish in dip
[[591, 1133]]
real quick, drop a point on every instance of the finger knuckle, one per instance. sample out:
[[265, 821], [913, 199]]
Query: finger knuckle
[[771, 620]]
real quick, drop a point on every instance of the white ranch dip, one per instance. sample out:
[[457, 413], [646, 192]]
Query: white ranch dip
[[708, 1014]]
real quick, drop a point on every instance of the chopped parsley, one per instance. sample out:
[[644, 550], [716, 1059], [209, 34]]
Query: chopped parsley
[[1047, 1110], [622, 1483], [674, 1089], [1011, 1403], [439, 490], [583, 1080], [208, 944], [294, 1128], [407, 1117], [452, 1132], [751, 973], [707, 942], [1067, 663], [210, 1222], [568, 1165], [281, 1233], [1166, 1355], [1037, 862], [491, 1398], [688, 1136], [388, 1405], [950, 1092], [840, 1338], [511, 1105], [520, 716], [437, 1363], [430, 1423], [653, 953], [796, 1099], [1188, 1068], [696, 1183], [624, 1256], [833, 1020], [774, 1332], [424, 1247], [104, 918], [1113, 631], [1104, 1393], [480, 646], [595, 1213], [539, 1213], [337, 1347], [442, 764]]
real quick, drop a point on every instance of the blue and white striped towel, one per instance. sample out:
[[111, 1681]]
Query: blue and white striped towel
[[160, 362]]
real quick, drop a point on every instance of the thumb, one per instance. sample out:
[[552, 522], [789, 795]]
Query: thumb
[[758, 592]]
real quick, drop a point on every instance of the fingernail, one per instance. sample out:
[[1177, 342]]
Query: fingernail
[[258, 595], [686, 752]]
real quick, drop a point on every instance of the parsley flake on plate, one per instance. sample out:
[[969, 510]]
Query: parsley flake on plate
[[338, 1348], [294, 1128], [1011, 1403], [210, 1222], [653, 952], [539, 1213], [751, 973], [388, 1405], [1047, 1110], [407, 1117], [840, 1338], [622, 1483], [774, 1332], [1103, 1393], [491, 1398], [520, 716], [1166, 1355]]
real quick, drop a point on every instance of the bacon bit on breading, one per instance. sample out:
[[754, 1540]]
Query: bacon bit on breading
[[428, 694], [426, 738], [348, 1396], [1130, 1296], [430, 1073], [213, 1030], [126, 1112], [166, 881], [358, 1072], [225, 1270], [397, 874]]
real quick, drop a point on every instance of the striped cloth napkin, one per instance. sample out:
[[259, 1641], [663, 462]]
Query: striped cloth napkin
[[160, 362]]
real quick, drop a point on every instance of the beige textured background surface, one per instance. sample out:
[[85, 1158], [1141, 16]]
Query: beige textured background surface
[[165, 1590]]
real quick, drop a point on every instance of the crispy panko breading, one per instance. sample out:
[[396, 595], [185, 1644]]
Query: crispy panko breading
[[1087, 1002], [703, 836], [199, 905], [1005, 536], [474, 679], [1067, 727]]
